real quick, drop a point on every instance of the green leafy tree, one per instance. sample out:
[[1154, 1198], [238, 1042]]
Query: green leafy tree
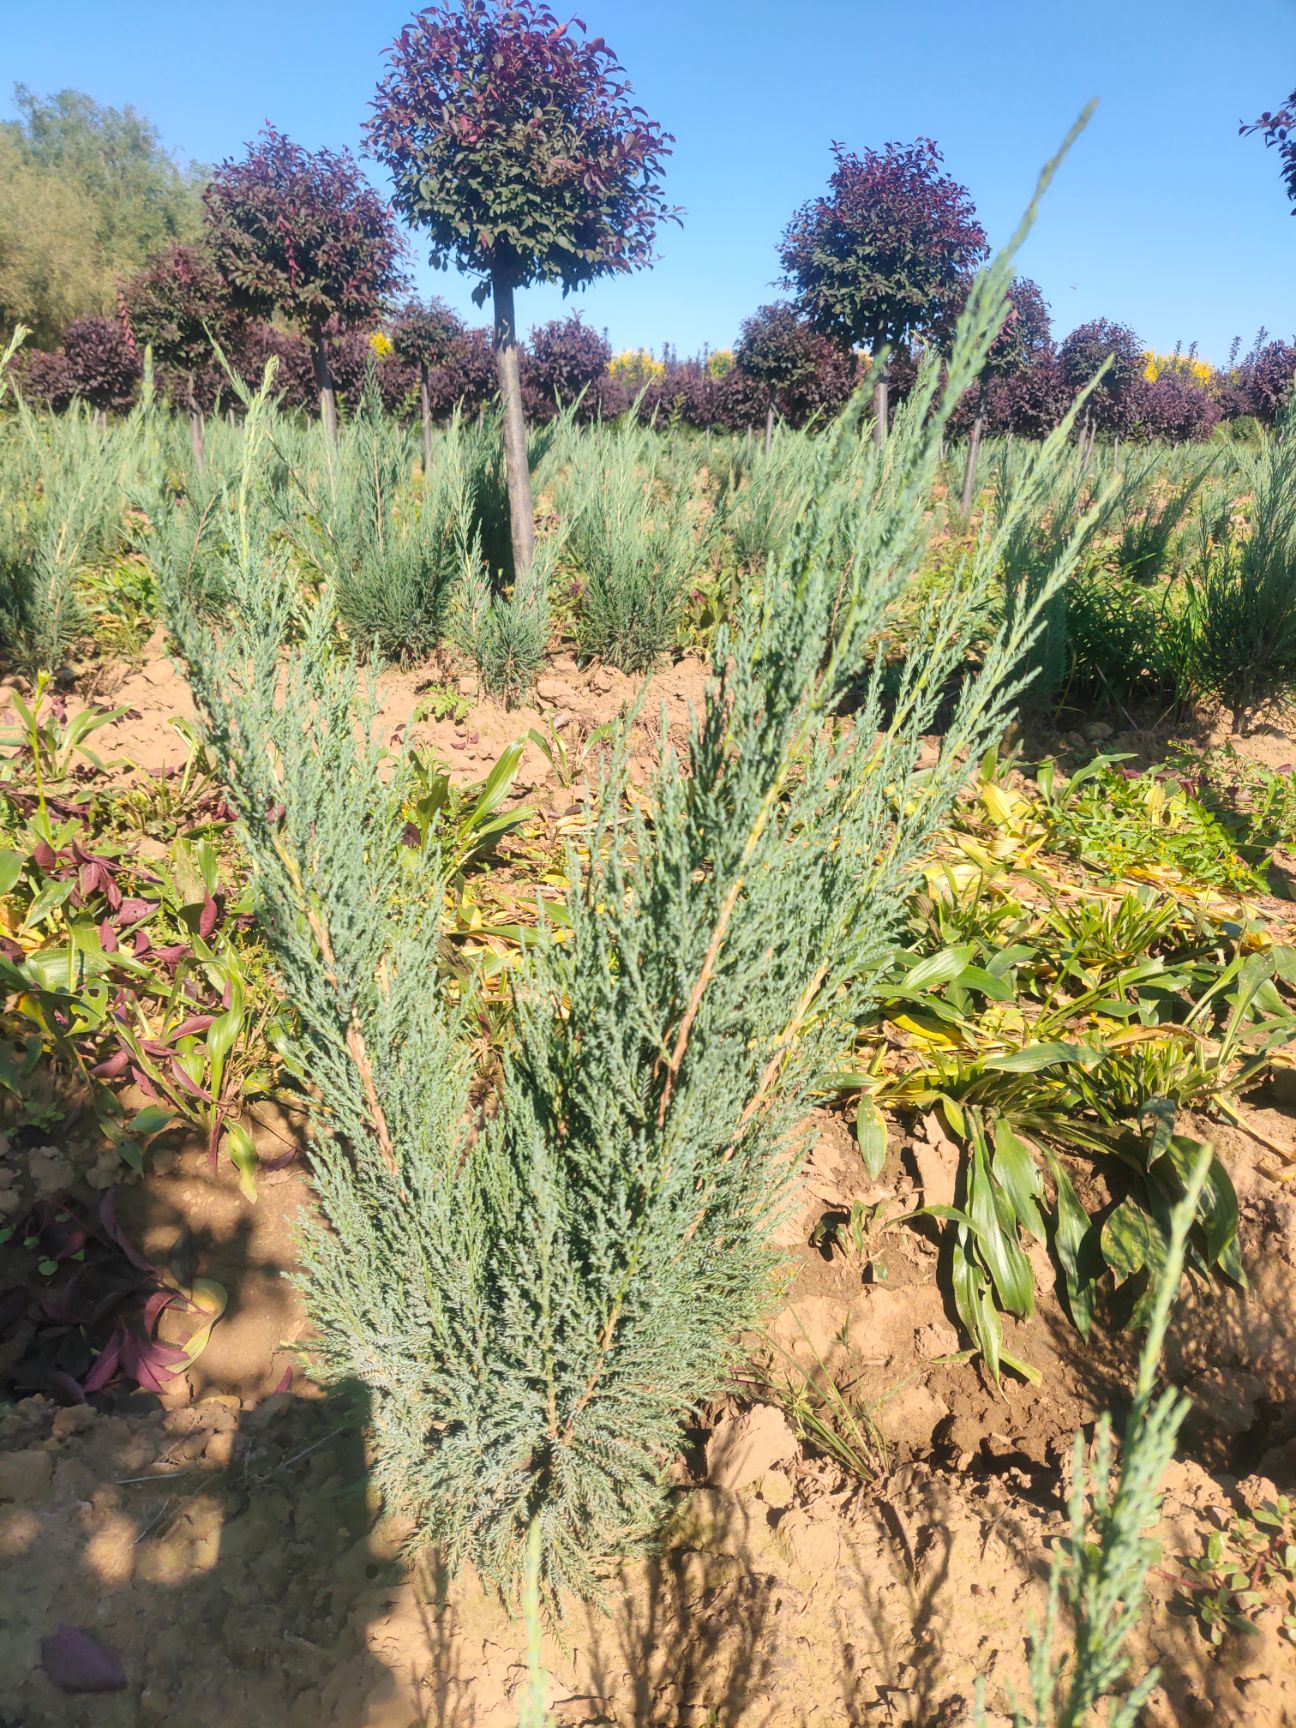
[[514, 145], [885, 254], [305, 235], [88, 195]]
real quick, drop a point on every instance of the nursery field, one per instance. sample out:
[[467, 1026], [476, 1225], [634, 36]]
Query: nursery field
[[585, 1143]]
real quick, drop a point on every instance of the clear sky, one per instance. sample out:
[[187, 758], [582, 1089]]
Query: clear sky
[[1163, 218]]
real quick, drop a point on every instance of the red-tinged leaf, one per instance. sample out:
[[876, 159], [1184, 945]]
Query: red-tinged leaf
[[142, 1080], [113, 1230], [44, 855], [108, 936], [285, 1383], [185, 1084], [209, 917], [156, 1307], [195, 1023], [75, 1661], [63, 1388], [105, 1364], [152, 1365], [112, 1067], [141, 943], [134, 910]]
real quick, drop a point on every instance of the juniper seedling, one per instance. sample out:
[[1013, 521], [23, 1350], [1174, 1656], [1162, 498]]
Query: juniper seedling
[[1099, 1576], [535, 1300], [635, 541], [395, 557], [1237, 641], [48, 537]]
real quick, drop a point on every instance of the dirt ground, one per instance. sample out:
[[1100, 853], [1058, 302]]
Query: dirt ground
[[221, 1544]]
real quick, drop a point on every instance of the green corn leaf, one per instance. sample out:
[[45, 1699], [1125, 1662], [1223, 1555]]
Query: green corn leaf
[[1070, 1240], [243, 1156], [1015, 1169], [1033, 1057], [999, 1247], [1126, 1239]]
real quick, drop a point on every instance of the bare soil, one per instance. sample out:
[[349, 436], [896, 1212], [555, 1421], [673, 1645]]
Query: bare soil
[[222, 1544]]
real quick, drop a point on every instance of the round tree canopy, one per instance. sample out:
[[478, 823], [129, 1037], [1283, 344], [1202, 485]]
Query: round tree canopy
[[514, 145]]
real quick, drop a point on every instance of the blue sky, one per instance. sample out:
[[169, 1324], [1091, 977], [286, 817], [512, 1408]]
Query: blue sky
[[1163, 217]]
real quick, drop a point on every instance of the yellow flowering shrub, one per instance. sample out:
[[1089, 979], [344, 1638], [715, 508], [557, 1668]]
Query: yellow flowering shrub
[[636, 367], [720, 362], [381, 343], [1201, 371]]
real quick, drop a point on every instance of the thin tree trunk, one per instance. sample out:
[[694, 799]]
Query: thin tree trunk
[[969, 473], [426, 407], [769, 429], [881, 392], [516, 468], [324, 383]]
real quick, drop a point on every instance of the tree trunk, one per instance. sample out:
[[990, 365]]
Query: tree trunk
[[426, 407], [324, 383], [881, 391], [969, 473], [769, 430], [516, 469]]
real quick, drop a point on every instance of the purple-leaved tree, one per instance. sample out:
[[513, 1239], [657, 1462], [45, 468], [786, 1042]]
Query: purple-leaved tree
[[102, 366], [1279, 128], [886, 254], [800, 371], [177, 306], [303, 234], [514, 145], [1023, 341], [424, 337], [1113, 405]]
